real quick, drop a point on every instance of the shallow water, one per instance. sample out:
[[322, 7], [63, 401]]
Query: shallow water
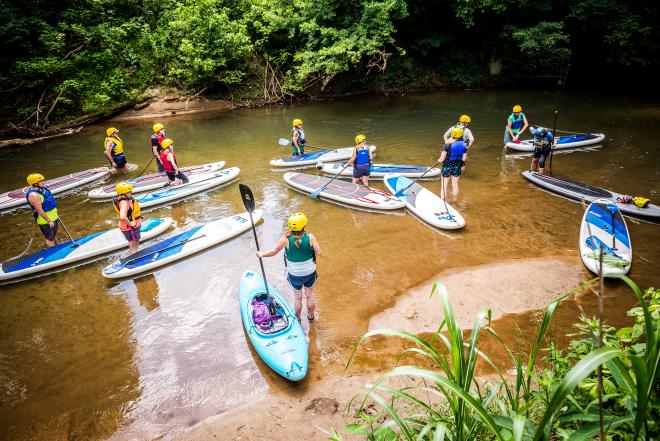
[[82, 357]]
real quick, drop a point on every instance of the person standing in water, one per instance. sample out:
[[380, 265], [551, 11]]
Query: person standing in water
[[168, 158], [44, 207], [463, 122], [156, 139], [301, 249], [361, 160], [128, 211], [515, 126], [114, 149], [298, 140], [453, 158], [544, 143]]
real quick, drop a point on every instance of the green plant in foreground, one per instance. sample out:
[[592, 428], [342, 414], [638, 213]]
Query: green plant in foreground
[[535, 405]]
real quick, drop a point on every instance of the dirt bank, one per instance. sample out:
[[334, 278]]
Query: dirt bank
[[308, 413]]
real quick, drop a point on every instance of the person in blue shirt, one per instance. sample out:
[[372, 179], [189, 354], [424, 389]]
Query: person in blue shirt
[[453, 158], [515, 126], [544, 143], [361, 160]]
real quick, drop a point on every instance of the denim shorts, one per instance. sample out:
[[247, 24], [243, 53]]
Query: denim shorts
[[298, 282]]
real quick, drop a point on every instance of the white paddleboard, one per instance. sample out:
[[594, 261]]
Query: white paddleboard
[[315, 157], [180, 245], [65, 254], [154, 180], [344, 192], [380, 170], [423, 203], [563, 142], [604, 227], [201, 183], [17, 198]]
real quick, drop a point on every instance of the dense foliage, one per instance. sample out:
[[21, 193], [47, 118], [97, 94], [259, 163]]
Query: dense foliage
[[66, 57], [605, 384]]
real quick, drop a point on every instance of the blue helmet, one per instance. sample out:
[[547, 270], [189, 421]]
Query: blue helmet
[[538, 132]]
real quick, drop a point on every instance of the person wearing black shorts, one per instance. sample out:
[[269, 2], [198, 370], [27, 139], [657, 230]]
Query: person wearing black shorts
[[168, 158], [361, 160], [544, 142]]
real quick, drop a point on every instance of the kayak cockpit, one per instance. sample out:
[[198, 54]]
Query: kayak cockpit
[[265, 322]]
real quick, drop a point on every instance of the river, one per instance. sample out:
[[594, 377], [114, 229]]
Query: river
[[82, 357]]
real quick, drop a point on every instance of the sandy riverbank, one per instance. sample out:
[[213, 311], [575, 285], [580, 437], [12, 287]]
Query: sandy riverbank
[[308, 413]]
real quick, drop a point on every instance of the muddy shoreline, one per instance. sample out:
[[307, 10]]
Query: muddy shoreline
[[309, 412]]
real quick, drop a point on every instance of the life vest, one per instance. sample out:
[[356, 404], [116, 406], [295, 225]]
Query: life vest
[[118, 149], [158, 138], [167, 165], [48, 204], [362, 158], [456, 150], [543, 142], [132, 214], [301, 137], [517, 123], [302, 253]]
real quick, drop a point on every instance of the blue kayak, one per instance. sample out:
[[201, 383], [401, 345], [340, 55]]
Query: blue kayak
[[279, 341]]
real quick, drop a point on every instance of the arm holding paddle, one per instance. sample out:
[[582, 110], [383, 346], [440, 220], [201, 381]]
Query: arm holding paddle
[[278, 247], [108, 153], [36, 203]]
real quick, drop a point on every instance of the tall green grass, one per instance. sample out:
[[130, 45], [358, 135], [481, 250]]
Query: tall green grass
[[449, 403]]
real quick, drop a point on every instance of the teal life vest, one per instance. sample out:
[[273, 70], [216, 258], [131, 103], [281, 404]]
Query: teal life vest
[[302, 253]]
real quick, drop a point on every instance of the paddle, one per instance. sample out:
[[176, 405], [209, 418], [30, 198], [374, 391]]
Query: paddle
[[284, 141], [400, 192], [612, 210], [315, 193], [248, 203], [141, 254], [75, 245], [145, 169], [552, 146]]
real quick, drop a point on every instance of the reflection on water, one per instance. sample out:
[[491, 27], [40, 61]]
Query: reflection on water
[[84, 357]]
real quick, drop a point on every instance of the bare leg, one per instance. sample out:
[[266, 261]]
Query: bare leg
[[133, 246], [454, 187], [311, 302], [445, 183], [51, 243], [365, 181], [535, 164], [297, 303], [355, 180]]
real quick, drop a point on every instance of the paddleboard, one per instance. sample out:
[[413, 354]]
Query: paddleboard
[[423, 203], [380, 170], [17, 198], [154, 180], [563, 142], [201, 183], [314, 157], [66, 253], [180, 245], [344, 192], [579, 191], [603, 227], [280, 342]]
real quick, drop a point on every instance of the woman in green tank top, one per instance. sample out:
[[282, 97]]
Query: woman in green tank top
[[301, 249]]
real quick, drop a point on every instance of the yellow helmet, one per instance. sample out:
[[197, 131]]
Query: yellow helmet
[[157, 127], [297, 122], [464, 119], [517, 108], [123, 188], [456, 132], [166, 143], [111, 130], [297, 222], [34, 178], [359, 139]]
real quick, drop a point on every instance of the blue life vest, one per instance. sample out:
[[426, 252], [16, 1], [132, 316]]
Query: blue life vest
[[362, 157], [517, 123], [47, 204], [456, 150]]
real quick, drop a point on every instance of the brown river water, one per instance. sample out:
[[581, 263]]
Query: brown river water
[[82, 357]]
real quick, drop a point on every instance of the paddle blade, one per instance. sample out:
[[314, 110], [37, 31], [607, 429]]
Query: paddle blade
[[247, 197], [283, 141], [315, 193]]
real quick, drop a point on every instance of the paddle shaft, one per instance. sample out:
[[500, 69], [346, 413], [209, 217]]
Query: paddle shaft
[[145, 169], [398, 193], [286, 142], [315, 193], [133, 258], [613, 232], [67, 232], [552, 146]]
